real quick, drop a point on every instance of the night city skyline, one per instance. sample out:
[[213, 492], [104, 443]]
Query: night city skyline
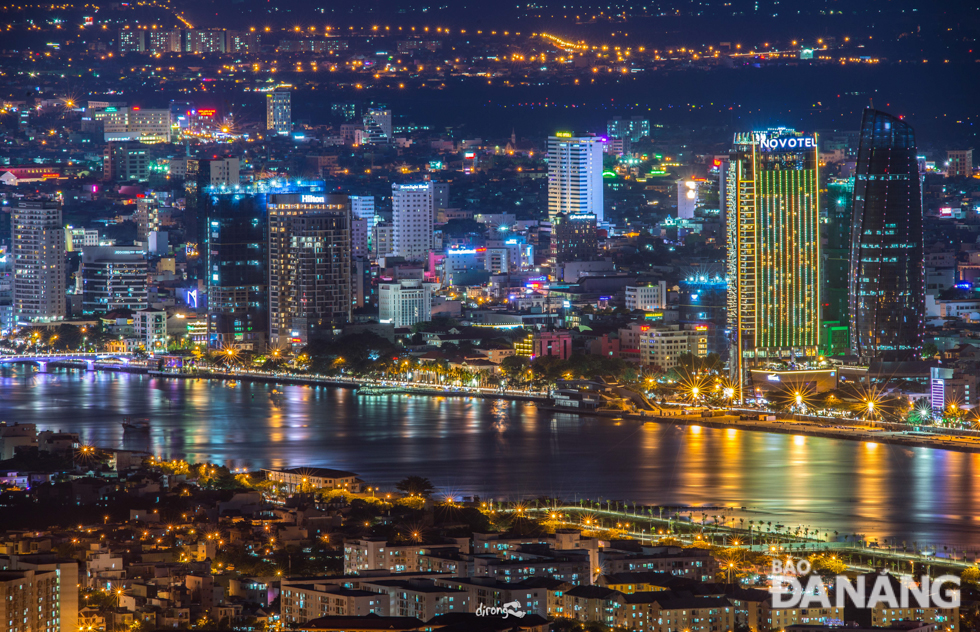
[[542, 317]]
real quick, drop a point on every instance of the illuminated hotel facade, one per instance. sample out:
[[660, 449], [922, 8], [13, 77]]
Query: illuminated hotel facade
[[574, 176], [772, 206], [309, 266]]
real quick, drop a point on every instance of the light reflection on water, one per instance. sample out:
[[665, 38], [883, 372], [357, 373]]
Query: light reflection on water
[[508, 449]]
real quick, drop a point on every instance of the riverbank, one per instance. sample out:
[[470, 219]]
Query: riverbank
[[402, 389], [870, 433]]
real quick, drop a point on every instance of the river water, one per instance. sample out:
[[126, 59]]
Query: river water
[[507, 450]]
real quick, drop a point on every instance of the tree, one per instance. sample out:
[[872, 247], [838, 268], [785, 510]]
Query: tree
[[971, 576], [416, 486], [515, 367]]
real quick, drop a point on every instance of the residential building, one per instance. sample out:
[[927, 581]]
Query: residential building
[[382, 240], [203, 41], [39, 261], [302, 478], [160, 42], [302, 602], [633, 129], [373, 554], [146, 217], [959, 163], [151, 330], [661, 346], [131, 40], [30, 601]]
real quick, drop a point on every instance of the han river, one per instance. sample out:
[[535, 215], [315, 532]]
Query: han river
[[508, 450]]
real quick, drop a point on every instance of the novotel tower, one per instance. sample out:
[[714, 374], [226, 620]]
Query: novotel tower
[[772, 207]]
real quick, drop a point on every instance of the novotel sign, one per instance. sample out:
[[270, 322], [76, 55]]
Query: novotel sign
[[785, 143]]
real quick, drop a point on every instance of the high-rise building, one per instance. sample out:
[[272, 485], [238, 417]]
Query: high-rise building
[[574, 176], [150, 327], [132, 40], [242, 42], [362, 207], [404, 303], [205, 41], [574, 238], [359, 237], [632, 129], [224, 171], [29, 600], [773, 248], [377, 127], [382, 240], [278, 112], [413, 216], [836, 253], [39, 261], [7, 320], [113, 277], [147, 217], [309, 266], [886, 242], [162, 42], [236, 252], [124, 162]]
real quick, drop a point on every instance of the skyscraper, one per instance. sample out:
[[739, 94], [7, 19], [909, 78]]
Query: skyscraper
[[236, 252], [413, 215], [836, 274], [574, 176], [886, 293], [39, 261], [113, 277], [773, 248], [309, 265], [278, 111]]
